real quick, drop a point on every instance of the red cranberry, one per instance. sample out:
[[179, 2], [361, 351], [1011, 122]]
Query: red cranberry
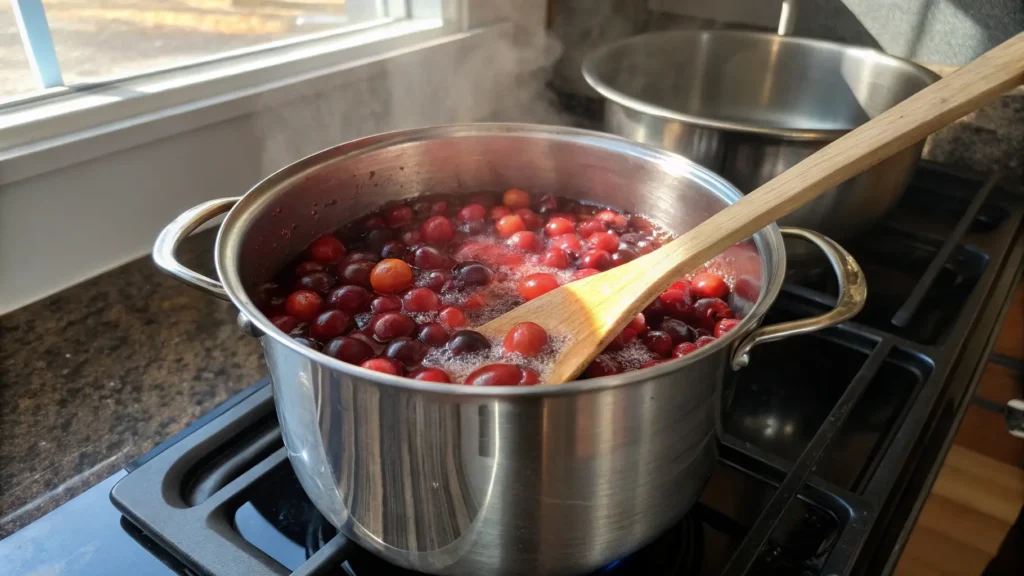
[[391, 325], [329, 324], [677, 330], [638, 324], [320, 282], [622, 256], [536, 285], [531, 219], [724, 326], [430, 375], [361, 256], [438, 208], [584, 273], [526, 241], [588, 228], [406, 350], [472, 213], [304, 304], [398, 216], [421, 300], [356, 273], [307, 342], [327, 249], [612, 219], [607, 241], [350, 299], [501, 375], [391, 276], [308, 267], [467, 342], [348, 349], [658, 342], [394, 249], [437, 230], [526, 338], [429, 258], [499, 212], [564, 215], [708, 285], [475, 302], [555, 258], [603, 365], [514, 198], [558, 227], [388, 303], [471, 273], [684, 349], [704, 341], [509, 225], [452, 318], [285, 323], [596, 259], [622, 339], [383, 365], [676, 303], [708, 311], [435, 279], [433, 334], [568, 242]]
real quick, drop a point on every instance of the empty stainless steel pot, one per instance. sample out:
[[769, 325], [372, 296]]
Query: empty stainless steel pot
[[750, 105], [454, 479]]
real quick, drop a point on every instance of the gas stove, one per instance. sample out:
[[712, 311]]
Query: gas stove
[[823, 467]]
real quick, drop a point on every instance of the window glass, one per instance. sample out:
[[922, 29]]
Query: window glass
[[15, 74]]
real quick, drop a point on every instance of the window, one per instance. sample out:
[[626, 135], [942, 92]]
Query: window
[[74, 42]]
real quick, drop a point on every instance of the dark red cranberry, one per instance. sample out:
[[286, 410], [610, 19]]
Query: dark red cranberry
[[438, 208], [388, 303], [676, 303], [678, 330], [708, 285], [320, 282], [307, 342], [394, 249], [622, 256], [383, 365], [547, 203], [658, 342], [421, 300], [376, 239], [684, 349], [612, 219], [351, 299], [428, 258], [467, 342], [596, 259], [285, 323], [308, 267], [304, 304], [406, 350], [435, 279], [398, 216], [708, 311], [501, 375], [422, 208], [361, 256], [622, 339], [631, 239], [499, 212], [356, 274], [329, 324], [327, 249], [470, 273], [437, 230], [432, 334], [374, 222], [348, 349], [655, 311], [724, 326], [430, 375], [391, 325], [603, 365]]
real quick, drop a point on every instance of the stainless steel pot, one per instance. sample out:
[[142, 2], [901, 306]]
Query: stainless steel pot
[[750, 105], [454, 479]]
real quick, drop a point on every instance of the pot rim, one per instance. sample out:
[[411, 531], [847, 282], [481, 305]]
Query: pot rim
[[230, 237], [591, 75]]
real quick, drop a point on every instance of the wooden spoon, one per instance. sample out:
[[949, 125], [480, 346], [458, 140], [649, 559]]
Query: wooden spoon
[[592, 311]]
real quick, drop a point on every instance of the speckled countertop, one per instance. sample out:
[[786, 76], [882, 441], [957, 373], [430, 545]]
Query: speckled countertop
[[96, 375]]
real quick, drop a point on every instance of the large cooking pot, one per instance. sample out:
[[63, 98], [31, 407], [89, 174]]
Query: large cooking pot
[[750, 105], [453, 479]]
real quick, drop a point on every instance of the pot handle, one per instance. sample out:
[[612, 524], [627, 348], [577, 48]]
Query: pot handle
[[853, 293], [173, 234]]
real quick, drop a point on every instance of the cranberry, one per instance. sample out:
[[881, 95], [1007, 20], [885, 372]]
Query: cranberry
[[307, 342], [422, 208], [411, 237], [526, 338], [472, 213], [603, 365], [327, 249], [622, 256], [391, 325], [613, 219], [394, 249], [398, 216], [429, 258], [388, 303], [555, 258], [704, 341], [658, 342], [421, 300], [329, 324], [361, 256], [356, 273], [547, 203], [588, 228], [607, 241], [708, 285], [467, 342], [348, 349], [437, 230], [677, 330], [320, 282], [383, 365], [501, 375], [652, 363], [499, 212], [536, 285], [308, 267], [564, 215], [391, 276], [724, 326], [430, 375], [708, 311], [433, 334], [514, 198], [526, 241], [557, 227], [452, 318], [676, 303], [475, 302], [509, 225], [684, 349], [374, 223], [470, 273], [597, 259], [406, 350], [438, 208], [638, 324], [377, 239], [531, 219], [568, 242], [350, 299], [285, 323], [303, 304], [622, 339], [584, 273]]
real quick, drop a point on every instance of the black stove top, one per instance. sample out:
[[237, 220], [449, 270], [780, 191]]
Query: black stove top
[[824, 463]]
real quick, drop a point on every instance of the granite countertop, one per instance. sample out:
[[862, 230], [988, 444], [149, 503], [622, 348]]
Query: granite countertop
[[96, 375]]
